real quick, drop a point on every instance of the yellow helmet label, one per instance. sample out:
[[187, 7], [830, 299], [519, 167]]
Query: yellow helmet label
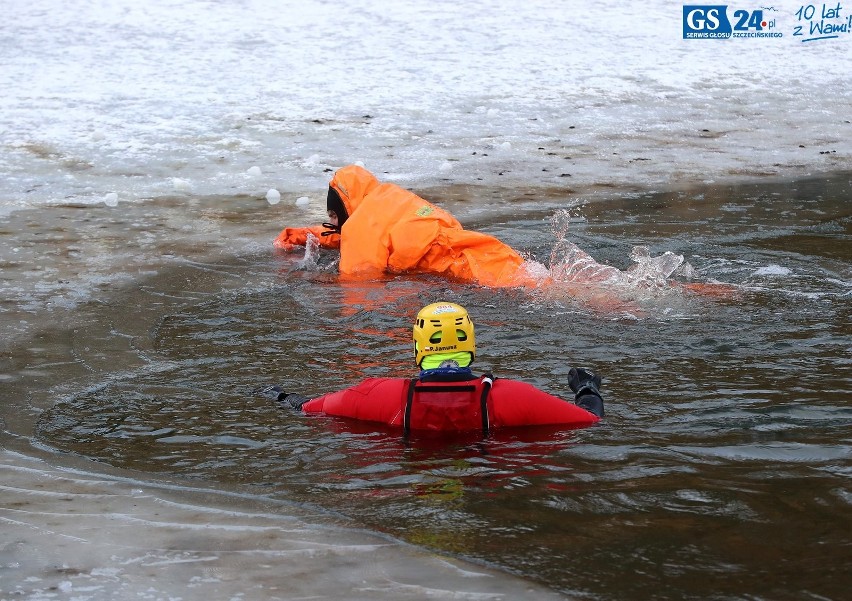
[[439, 349], [439, 309]]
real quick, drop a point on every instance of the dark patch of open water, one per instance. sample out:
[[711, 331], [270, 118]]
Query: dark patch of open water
[[722, 469]]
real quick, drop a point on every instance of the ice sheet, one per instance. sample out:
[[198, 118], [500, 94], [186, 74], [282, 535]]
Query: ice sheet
[[113, 101], [75, 534]]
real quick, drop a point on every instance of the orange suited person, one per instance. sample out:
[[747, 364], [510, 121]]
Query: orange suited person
[[381, 227]]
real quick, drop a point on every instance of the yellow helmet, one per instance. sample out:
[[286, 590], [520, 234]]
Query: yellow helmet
[[443, 328]]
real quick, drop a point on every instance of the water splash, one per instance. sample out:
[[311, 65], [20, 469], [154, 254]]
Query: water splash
[[654, 272], [571, 264], [310, 262]]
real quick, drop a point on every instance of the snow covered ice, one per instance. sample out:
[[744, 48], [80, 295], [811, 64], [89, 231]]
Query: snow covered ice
[[239, 97], [113, 538]]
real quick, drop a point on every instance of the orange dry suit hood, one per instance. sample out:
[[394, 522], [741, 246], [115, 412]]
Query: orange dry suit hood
[[346, 190]]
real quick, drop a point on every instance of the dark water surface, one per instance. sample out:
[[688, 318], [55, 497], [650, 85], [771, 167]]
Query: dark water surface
[[722, 469]]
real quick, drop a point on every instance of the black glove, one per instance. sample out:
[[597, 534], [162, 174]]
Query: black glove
[[273, 393], [294, 400]]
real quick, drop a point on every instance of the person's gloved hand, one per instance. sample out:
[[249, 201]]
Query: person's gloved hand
[[273, 393], [294, 400], [581, 380]]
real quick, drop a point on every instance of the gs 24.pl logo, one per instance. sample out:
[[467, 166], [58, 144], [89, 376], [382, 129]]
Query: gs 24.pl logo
[[709, 21]]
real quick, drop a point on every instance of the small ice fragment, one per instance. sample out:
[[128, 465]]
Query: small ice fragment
[[303, 201], [445, 166], [493, 112], [359, 163], [254, 171], [181, 185], [273, 196], [111, 199], [506, 146], [773, 270], [98, 135], [312, 160]]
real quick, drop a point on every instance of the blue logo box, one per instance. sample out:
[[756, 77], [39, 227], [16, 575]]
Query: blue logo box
[[706, 21]]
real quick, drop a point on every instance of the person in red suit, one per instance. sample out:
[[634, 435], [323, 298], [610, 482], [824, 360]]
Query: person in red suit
[[447, 396]]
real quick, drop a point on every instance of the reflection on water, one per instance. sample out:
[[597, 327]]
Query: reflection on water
[[722, 468]]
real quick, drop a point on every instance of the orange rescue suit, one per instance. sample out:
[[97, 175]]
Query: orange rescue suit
[[390, 229]]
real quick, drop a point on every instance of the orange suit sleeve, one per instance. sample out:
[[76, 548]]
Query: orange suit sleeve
[[291, 237]]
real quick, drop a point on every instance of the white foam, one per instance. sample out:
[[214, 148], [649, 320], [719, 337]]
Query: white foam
[[773, 270]]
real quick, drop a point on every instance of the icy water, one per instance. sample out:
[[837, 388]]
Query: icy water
[[721, 470]]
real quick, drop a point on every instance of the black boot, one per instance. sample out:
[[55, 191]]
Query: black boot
[[586, 386]]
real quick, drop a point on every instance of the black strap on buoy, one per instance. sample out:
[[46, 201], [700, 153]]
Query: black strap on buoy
[[406, 418], [487, 381]]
